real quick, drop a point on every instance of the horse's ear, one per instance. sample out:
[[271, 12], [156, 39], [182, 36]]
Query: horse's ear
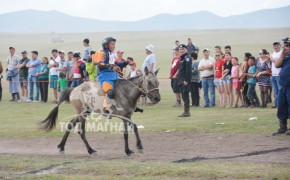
[[146, 71], [156, 72]]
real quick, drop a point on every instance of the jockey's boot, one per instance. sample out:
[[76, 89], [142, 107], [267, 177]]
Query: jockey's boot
[[282, 129], [186, 113], [139, 110]]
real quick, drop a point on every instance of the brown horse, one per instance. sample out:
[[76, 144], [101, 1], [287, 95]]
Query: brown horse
[[88, 98]]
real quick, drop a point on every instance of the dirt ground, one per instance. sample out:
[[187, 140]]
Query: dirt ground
[[168, 147]]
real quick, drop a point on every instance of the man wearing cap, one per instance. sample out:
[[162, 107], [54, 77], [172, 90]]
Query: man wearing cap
[[121, 64], [23, 76], [150, 60], [33, 65], [206, 68], [174, 77], [53, 70], [77, 75], [63, 63], [70, 68], [275, 78], [12, 74], [184, 78], [284, 93]]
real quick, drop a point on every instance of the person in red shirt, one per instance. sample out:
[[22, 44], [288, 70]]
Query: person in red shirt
[[173, 77], [219, 68]]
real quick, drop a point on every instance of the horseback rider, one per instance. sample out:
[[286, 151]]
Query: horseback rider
[[107, 75]]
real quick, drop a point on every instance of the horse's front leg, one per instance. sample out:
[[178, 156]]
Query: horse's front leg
[[139, 143], [127, 150]]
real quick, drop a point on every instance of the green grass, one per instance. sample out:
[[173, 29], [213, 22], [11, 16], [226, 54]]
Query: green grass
[[20, 119], [87, 168]]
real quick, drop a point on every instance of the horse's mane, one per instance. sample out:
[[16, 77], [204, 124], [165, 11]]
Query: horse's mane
[[129, 79]]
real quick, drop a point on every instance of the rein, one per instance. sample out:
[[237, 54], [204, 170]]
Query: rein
[[144, 88]]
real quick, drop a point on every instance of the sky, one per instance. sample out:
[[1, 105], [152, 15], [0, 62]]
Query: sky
[[132, 10]]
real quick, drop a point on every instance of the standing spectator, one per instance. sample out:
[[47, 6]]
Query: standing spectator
[[219, 68], [150, 60], [62, 82], [12, 75], [206, 68], [263, 77], [275, 78], [77, 77], [184, 78], [191, 47], [177, 43], [218, 49], [91, 68], [88, 49], [53, 70], [121, 64], [236, 81], [1, 70], [195, 80], [284, 94], [70, 68], [174, 78], [228, 48], [43, 79], [23, 76], [243, 77], [133, 70], [226, 78], [63, 63], [251, 81], [33, 66]]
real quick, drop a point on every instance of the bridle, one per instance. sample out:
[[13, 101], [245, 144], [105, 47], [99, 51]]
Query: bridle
[[144, 88]]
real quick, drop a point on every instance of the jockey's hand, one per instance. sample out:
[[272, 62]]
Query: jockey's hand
[[102, 64]]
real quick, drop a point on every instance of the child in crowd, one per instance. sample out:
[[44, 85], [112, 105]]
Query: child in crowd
[[62, 81], [88, 49], [236, 82], [133, 70], [251, 94], [91, 67]]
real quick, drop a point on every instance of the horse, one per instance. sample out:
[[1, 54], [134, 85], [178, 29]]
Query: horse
[[88, 98]]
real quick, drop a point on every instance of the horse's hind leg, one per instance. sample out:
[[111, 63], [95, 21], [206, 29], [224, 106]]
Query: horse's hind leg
[[82, 133], [70, 127], [139, 143], [127, 150]]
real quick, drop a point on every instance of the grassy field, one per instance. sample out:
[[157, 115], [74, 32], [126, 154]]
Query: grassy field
[[19, 120]]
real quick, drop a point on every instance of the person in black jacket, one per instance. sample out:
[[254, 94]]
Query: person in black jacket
[[184, 78]]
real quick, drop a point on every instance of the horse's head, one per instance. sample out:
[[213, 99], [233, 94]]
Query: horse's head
[[150, 86]]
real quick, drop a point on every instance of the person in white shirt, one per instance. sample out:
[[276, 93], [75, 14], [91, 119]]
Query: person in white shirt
[[53, 70], [275, 78], [133, 70], [12, 62], [150, 60], [206, 68]]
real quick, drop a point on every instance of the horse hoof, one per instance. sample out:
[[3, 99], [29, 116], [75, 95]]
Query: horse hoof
[[129, 152], [61, 152], [60, 147], [139, 145], [91, 151]]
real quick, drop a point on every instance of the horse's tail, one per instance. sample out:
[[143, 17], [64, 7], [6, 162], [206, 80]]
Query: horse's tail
[[49, 122]]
